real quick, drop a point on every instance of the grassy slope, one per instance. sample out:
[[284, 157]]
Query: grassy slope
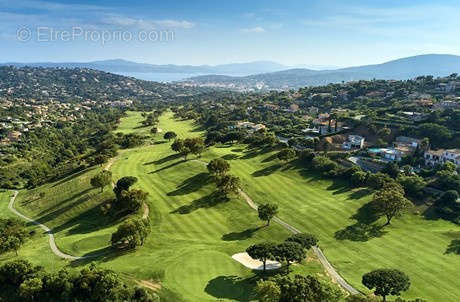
[[71, 208], [190, 253], [36, 249], [192, 250], [413, 244]]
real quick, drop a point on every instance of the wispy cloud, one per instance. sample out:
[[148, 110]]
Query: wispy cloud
[[257, 29], [430, 21], [46, 5], [147, 24]]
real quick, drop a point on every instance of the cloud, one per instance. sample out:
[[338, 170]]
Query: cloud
[[50, 6], [145, 24], [257, 29], [429, 20]]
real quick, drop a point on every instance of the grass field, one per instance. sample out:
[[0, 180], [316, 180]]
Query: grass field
[[312, 204], [193, 238]]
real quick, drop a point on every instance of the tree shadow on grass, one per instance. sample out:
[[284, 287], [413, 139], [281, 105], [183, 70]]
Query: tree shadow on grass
[[230, 156], [270, 158], [253, 152], [160, 142], [365, 228], [235, 236], [82, 197], [164, 159], [267, 170], [72, 176], [101, 255], [208, 201], [360, 193], [231, 287], [167, 167], [191, 184], [87, 222], [454, 247]]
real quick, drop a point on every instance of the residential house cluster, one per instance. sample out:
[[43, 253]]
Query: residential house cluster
[[249, 126], [353, 142], [439, 157]]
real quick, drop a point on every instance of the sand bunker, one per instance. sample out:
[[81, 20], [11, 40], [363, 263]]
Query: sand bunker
[[251, 263]]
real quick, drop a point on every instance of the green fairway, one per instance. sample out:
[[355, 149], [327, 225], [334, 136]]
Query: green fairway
[[323, 207], [193, 236], [192, 239], [132, 124]]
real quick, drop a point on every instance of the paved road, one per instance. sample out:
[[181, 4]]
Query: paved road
[[52, 242]]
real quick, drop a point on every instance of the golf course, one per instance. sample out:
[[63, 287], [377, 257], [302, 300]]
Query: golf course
[[188, 254]]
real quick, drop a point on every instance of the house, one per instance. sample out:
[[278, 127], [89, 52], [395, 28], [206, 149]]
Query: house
[[14, 136], [354, 142], [293, 108], [313, 110], [389, 154], [404, 142], [446, 105], [251, 127], [439, 157], [271, 107], [415, 116]]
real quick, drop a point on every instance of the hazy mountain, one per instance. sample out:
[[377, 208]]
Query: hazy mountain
[[401, 69], [123, 66]]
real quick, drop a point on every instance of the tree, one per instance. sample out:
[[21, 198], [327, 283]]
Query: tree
[[30, 288], [286, 154], [13, 234], [177, 145], [307, 241], [228, 184], [123, 184], [437, 134], [358, 178], [289, 252], [154, 130], [218, 167], [390, 201], [131, 234], [306, 289], [449, 198], [101, 180], [180, 146], [170, 135], [391, 169], [268, 291], [195, 145], [267, 212], [386, 282], [16, 272], [377, 180], [131, 200], [411, 184], [261, 252]]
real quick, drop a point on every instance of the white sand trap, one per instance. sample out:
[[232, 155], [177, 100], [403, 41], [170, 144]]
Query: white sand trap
[[251, 263]]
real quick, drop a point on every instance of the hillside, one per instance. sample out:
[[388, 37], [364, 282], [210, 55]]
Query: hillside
[[80, 84], [402, 69], [121, 66]]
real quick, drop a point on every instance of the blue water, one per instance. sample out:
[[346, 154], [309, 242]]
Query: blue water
[[159, 76]]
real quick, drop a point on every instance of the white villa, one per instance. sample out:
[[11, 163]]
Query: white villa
[[439, 157], [354, 142]]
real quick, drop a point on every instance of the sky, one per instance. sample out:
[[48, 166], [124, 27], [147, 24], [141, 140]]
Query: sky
[[195, 32]]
